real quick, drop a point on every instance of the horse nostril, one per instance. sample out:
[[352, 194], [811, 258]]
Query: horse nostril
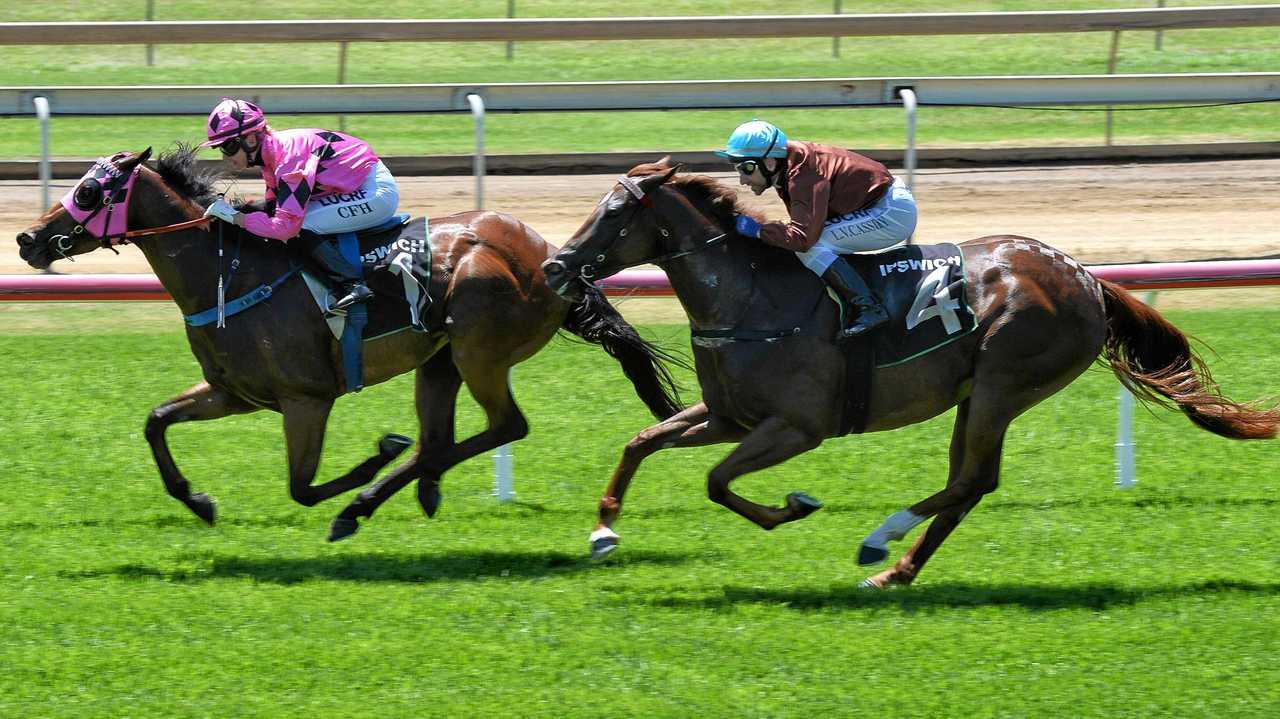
[[553, 268], [25, 240]]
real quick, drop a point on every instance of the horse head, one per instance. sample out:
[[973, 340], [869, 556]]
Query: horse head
[[634, 223], [93, 214]]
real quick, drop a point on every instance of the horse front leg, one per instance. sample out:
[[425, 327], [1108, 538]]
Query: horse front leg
[[692, 427], [771, 442], [200, 402], [304, 426]]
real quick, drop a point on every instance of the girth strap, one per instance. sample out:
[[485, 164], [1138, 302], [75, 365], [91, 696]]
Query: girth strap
[[357, 317]]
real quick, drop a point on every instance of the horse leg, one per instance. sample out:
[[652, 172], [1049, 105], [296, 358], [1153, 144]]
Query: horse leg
[[436, 386], [304, 425], [489, 386], [977, 441], [772, 441], [904, 571], [198, 403], [690, 428]]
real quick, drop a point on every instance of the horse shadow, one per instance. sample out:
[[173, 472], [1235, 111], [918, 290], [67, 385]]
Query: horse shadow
[[423, 568], [962, 595]]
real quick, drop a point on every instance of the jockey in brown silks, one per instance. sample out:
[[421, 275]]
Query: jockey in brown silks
[[839, 201]]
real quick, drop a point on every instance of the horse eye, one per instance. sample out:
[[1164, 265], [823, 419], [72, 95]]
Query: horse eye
[[614, 208], [87, 194]]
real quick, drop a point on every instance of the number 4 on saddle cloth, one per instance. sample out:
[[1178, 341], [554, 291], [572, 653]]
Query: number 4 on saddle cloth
[[395, 258], [922, 288]]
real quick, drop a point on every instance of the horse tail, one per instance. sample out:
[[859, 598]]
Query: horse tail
[[596, 321], [1155, 361]]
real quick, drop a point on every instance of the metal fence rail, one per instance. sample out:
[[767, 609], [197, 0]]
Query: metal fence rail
[[633, 28], [663, 95]]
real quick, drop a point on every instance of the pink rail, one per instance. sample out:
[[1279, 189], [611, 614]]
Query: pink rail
[[653, 283]]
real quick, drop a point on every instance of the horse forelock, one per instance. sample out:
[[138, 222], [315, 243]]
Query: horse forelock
[[177, 167]]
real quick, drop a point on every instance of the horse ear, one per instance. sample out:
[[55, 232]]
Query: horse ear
[[660, 178], [133, 161]]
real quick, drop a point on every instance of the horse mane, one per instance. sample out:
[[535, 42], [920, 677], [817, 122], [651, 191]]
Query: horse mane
[[720, 199], [177, 167]]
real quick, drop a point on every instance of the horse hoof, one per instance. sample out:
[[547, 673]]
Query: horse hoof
[[204, 506], [392, 445], [429, 496], [868, 555], [802, 505], [603, 541], [342, 528], [603, 547]]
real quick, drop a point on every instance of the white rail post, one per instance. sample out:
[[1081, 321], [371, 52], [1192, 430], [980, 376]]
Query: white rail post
[[1126, 463], [909, 160], [477, 164], [504, 483], [503, 457], [42, 112]]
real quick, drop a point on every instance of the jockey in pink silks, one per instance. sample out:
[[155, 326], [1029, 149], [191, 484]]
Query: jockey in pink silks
[[317, 180]]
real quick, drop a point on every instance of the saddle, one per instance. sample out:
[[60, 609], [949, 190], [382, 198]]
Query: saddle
[[396, 260]]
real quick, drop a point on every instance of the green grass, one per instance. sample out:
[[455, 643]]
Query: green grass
[[1230, 50], [1059, 596]]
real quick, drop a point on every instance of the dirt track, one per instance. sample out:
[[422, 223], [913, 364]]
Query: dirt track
[[1112, 213]]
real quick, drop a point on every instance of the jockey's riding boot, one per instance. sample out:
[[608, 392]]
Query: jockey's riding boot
[[350, 287], [847, 283]]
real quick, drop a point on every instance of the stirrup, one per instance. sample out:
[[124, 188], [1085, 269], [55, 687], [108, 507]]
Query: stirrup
[[357, 293]]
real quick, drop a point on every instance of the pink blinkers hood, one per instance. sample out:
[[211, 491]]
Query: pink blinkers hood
[[100, 200]]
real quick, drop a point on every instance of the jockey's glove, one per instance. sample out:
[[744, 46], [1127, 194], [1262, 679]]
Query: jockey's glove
[[747, 226], [222, 210]]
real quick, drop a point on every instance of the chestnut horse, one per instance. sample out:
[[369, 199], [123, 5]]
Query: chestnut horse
[[491, 310], [1042, 320]]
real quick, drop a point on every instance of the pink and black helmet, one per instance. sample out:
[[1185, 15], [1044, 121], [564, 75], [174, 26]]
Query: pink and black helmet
[[233, 118]]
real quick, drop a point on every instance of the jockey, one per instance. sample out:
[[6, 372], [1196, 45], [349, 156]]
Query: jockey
[[317, 180], [839, 201]]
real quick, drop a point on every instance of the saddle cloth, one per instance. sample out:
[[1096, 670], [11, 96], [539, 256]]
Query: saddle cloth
[[922, 288], [397, 267]]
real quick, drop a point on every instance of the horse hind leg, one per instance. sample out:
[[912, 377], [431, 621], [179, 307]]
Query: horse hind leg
[[490, 387], [435, 396], [200, 402]]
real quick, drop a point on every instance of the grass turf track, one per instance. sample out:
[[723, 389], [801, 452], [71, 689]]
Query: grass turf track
[[1225, 50], [1060, 595]]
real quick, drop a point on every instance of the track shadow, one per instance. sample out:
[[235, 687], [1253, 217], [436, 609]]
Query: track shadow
[[412, 569], [962, 595]]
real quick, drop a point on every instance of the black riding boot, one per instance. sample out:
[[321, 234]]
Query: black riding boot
[[847, 283], [335, 267]]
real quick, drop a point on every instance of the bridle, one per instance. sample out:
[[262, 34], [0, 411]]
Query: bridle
[[116, 186], [588, 272]]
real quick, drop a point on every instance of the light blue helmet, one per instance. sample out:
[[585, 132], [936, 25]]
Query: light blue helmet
[[755, 140]]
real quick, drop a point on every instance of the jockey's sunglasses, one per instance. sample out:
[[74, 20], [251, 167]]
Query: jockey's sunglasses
[[746, 167], [230, 147]]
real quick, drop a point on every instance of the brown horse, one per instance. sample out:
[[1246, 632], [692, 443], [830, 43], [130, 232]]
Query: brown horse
[[1042, 321], [492, 310]]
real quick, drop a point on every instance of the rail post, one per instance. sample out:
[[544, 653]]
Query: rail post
[[42, 112]]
